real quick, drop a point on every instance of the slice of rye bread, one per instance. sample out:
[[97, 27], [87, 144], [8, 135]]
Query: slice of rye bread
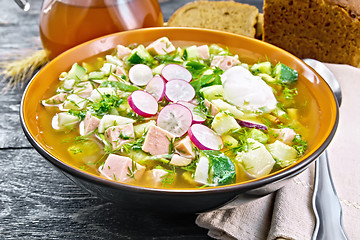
[[326, 30], [221, 15]]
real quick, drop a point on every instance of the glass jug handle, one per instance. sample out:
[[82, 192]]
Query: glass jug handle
[[23, 4]]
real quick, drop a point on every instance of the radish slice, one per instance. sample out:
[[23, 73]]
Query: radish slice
[[205, 138], [140, 74], [173, 71], [179, 90], [156, 87], [252, 125], [143, 103], [175, 118], [197, 118]]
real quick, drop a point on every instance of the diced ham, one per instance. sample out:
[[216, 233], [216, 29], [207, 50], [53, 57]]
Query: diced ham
[[119, 135], [162, 46], [112, 78], [122, 51], [121, 169], [154, 177], [122, 94], [184, 148], [224, 62], [90, 123], [119, 93], [120, 71], [56, 99], [203, 52], [211, 107], [83, 89], [157, 141], [285, 135], [180, 161]]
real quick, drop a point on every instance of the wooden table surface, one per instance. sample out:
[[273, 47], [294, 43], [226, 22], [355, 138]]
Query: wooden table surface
[[37, 202]]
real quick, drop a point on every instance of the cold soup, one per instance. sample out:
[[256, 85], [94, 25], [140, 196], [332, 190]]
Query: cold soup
[[160, 115]]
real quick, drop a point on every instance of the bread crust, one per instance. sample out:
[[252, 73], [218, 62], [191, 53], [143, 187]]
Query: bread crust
[[352, 6], [313, 29], [220, 15]]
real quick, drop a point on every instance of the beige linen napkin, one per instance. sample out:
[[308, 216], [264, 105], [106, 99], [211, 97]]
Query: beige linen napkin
[[288, 213]]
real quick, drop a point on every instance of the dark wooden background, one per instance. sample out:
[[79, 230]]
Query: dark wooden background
[[36, 202]]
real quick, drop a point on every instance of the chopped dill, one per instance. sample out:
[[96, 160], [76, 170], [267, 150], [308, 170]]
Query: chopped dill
[[191, 167], [75, 151], [171, 145], [84, 167], [165, 59], [125, 137], [300, 145], [74, 103], [289, 93], [168, 179], [135, 116], [105, 105], [136, 145], [131, 172], [80, 114]]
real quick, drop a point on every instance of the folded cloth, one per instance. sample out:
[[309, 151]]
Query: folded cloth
[[287, 214]]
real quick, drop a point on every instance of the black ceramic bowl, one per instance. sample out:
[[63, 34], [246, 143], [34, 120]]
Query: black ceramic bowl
[[179, 200]]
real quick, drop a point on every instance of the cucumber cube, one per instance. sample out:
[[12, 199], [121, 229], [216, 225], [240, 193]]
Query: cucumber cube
[[113, 60], [68, 84], [229, 141], [257, 161], [285, 74], [223, 123], [216, 49], [213, 92], [64, 120], [97, 94], [267, 77], [139, 55], [108, 68], [258, 135], [76, 72], [224, 106], [140, 129], [158, 69], [84, 151], [284, 154], [96, 75], [134, 58], [138, 156], [264, 67], [74, 102], [191, 53]]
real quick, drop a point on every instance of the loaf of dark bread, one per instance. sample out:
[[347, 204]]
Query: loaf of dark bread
[[227, 16], [326, 30]]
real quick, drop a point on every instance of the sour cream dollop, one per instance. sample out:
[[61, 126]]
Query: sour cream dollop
[[247, 91]]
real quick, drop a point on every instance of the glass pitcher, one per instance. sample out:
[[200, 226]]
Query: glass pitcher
[[67, 23]]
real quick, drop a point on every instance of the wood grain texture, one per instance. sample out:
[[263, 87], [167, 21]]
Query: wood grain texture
[[37, 202]]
